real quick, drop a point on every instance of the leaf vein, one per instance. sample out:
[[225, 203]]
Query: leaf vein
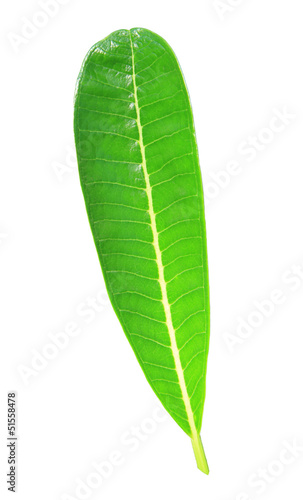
[[166, 136], [190, 316], [152, 340], [133, 274], [108, 133], [189, 362], [143, 316]]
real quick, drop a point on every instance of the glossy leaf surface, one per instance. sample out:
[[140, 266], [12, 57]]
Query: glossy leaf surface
[[141, 181]]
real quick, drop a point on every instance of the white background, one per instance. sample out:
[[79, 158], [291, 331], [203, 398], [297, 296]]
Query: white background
[[242, 68]]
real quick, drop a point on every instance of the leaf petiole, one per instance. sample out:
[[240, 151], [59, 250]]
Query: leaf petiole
[[200, 454]]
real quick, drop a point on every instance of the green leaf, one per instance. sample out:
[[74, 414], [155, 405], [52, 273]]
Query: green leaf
[[140, 176]]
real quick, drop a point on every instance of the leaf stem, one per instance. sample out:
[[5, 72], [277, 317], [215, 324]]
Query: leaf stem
[[200, 454]]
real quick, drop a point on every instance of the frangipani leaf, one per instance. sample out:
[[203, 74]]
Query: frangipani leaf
[[141, 181]]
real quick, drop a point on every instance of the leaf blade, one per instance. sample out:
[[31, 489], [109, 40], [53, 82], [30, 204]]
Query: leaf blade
[[153, 279]]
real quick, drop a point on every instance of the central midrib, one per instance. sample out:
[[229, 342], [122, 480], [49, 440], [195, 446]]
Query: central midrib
[[160, 266]]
